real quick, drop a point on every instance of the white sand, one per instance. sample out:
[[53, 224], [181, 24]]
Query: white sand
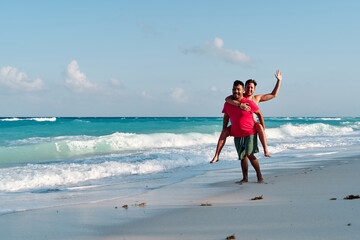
[[296, 205]]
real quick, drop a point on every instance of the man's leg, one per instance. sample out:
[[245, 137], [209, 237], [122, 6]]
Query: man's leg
[[221, 142], [255, 163], [261, 132], [244, 169]]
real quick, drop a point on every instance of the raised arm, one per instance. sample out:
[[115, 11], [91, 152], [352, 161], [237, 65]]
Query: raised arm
[[243, 106], [275, 91]]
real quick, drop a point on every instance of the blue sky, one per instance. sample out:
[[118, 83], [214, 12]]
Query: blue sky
[[177, 58]]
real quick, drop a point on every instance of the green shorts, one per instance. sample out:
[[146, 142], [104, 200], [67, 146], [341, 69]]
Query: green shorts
[[246, 145]]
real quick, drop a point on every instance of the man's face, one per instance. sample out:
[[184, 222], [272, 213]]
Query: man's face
[[237, 91], [249, 89]]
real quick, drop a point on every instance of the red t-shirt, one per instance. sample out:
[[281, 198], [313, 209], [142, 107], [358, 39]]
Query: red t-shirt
[[242, 122]]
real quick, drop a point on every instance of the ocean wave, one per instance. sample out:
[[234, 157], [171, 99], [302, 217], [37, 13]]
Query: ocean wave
[[42, 177], [37, 119], [331, 119], [354, 125], [69, 147], [54, 175], [10, 119], [130, 141], [50, 149], [304, 145], [51, 119], [307, 130], [281, 118]]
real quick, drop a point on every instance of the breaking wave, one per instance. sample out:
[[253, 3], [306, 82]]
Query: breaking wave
[[307, 130], [38, 119]]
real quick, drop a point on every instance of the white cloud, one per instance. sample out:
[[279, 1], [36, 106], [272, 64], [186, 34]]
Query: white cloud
[[144, 94], [12, 78], [178, 94], [216, 49], [115, 83], [76, 80]]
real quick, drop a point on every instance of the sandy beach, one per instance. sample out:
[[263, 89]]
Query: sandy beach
[[302, 203]]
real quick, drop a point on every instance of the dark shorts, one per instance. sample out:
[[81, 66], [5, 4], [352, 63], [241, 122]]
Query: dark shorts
[[246, 145]]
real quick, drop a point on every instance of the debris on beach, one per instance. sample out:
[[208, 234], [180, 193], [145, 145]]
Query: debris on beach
[[258, 198], [206, 204], [349, 224], [350, 197], [125, 206], [334, 198], [231, 237], [143, 204]]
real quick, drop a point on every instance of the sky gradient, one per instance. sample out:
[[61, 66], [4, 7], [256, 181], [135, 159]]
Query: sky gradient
[[177, 58]]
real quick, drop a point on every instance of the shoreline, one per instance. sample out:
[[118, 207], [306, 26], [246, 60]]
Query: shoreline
[[296, 205]]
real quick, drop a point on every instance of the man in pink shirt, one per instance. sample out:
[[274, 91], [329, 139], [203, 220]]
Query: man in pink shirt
[[243, 130]]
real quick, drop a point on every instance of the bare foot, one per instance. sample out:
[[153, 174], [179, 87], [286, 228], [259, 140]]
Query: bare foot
[[261, 180], [215, 159], [242, 181], [266, 154]]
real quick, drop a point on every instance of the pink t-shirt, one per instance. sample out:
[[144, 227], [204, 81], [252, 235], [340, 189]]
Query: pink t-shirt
[[242, 122]]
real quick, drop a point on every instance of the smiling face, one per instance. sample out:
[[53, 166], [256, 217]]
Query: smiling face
[[238, 91], [249, 89]]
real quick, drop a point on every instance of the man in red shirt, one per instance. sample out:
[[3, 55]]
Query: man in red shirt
[[243, 130], [249, 90]]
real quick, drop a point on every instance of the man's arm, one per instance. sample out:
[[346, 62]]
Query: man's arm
[[275, 91], [243, 106], [225, 120], [260, 117]]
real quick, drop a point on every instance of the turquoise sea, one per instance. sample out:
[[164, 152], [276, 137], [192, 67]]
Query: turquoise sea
[[57, 161]]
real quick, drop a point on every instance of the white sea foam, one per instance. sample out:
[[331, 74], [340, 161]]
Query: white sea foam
[[331, 119], [129, 141], [326, 153], [50, 176], [53, 176], [280, 118], [10, 119], [304, 145], [51, 119], [307, 130], [74, 145], [355, 125], [119, 142], [36, 150], [39, 119]]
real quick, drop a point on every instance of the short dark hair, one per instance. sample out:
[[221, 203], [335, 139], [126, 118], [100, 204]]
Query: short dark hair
[[251, 81], [237, 82]]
